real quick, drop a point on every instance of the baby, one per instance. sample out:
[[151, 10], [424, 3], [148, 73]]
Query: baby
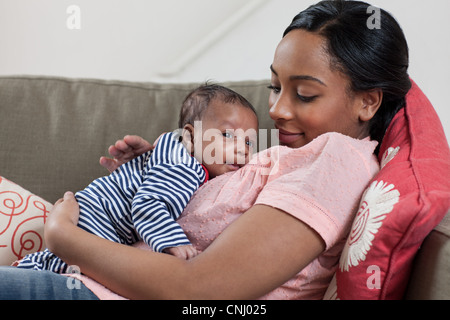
[[143, 198]]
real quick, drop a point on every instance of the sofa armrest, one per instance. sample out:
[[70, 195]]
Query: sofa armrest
[[430, 278]]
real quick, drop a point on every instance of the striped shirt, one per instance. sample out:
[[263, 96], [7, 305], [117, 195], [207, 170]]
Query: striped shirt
[[143, 198]]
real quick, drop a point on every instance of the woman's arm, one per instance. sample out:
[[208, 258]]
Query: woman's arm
[[257, 253]]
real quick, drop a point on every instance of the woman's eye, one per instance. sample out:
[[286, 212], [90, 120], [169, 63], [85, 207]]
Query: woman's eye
[[302, 98], [306, 99], [275, 90]]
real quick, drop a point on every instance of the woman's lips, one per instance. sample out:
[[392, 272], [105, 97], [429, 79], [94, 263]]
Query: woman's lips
[[287, 137]]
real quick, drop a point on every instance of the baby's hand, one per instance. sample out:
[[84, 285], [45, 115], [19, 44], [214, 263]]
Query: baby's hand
[[183, 252]]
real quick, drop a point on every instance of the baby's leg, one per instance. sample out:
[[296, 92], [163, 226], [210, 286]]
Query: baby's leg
[[93, 218], [43, 260]]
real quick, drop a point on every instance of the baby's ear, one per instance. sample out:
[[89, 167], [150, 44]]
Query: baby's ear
[[188, 137]]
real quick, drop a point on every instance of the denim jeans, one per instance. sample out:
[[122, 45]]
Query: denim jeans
[[25, 284]]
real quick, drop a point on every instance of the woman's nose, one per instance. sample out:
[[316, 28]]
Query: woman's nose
[[281, 109]]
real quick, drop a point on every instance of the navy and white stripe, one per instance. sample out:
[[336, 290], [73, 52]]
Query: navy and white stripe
[[140, 200]]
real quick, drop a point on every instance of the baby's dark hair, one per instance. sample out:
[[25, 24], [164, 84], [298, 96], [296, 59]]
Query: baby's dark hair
[[198, 100]]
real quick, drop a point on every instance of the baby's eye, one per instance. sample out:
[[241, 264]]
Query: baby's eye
[[227, 134], [251, 144]]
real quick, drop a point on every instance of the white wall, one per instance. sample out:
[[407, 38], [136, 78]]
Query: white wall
[[144, 40]]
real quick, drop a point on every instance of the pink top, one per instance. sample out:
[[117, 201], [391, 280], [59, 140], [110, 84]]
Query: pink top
[[320, 184]]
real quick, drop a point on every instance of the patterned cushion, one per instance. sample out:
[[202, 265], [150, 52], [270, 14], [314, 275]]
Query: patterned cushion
[[22, 218]]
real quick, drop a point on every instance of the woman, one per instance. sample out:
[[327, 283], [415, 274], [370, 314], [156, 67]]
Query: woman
[[330, 73]]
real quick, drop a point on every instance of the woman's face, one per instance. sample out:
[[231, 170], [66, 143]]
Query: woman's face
[[308, 97]]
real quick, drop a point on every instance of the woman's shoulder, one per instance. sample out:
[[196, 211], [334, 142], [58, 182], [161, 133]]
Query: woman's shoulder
[[328, 145], [321, 182], [338, 142], [330, 151]]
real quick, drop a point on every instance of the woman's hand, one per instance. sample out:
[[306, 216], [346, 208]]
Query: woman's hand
[[65, 212], [124, 150]]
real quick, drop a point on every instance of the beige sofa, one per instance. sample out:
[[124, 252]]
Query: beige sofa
[[54, 130]]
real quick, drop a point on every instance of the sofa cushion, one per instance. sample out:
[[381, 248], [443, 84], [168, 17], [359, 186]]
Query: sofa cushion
[[405, 201], [22, 218]]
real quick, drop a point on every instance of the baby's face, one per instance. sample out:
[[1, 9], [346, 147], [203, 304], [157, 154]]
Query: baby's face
[[229, 137]]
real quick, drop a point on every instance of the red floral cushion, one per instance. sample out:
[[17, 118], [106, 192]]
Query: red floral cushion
[[22, 218], [404, 202]]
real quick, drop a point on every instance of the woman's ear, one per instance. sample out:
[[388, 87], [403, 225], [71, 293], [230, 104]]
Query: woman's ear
[[371, 103], [188, 137]]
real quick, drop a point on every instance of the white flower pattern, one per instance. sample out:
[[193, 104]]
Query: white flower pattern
[[388, 155], [377, 201]]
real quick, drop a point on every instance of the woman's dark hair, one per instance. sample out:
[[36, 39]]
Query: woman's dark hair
[[372, 56], [199, 99]]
